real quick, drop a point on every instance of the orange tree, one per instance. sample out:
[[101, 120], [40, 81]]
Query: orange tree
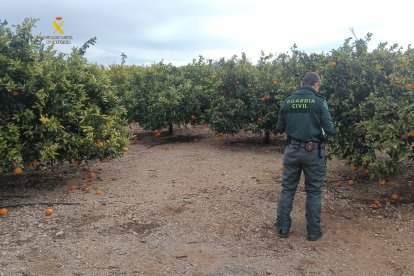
[[371, 100], [53, 108], [250, 95], [154, 100], [280, 77], [200, 80], [230, 109], [162, 94]]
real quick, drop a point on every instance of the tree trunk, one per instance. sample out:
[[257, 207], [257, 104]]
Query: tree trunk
[[170, 129], [267, 137]]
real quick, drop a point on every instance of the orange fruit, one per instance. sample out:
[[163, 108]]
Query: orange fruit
[[351, 182], [91, 175], [219, 136], [381, 182], [72, 187], [410, 86], [265, 98], [394, 196], [3, 211], [33, 164], [98, 192], [48, 212], [100, 144], [18, 170], [333, 64]]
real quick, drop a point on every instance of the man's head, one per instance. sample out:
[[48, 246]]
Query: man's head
[[312, 79]]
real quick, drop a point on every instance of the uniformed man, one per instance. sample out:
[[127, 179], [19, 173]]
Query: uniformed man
[[305, 118]]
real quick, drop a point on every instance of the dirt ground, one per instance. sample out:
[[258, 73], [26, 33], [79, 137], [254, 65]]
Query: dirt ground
[[190, 204]]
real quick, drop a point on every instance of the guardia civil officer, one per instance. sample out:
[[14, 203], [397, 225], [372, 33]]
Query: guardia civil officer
[[305, 117]]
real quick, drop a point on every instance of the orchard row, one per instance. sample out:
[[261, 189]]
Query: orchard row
[[55, 108]]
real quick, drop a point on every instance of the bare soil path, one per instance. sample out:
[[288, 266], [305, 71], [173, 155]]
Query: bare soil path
[[190, 204]]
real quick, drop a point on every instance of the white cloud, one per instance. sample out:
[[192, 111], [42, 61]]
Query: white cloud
[[179, 30]]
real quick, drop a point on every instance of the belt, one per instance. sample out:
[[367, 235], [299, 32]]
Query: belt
[[309, 146]]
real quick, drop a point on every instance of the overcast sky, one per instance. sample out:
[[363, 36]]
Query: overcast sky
[[177, 31]]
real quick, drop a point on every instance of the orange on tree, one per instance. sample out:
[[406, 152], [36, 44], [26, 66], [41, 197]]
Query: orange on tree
[[265, 98], [410, 86], [333, 64]]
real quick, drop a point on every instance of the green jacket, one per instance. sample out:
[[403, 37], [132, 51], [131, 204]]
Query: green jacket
[[304, 116]]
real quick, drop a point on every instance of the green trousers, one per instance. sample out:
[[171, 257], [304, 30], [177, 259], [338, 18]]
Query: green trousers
[[313, 165]]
